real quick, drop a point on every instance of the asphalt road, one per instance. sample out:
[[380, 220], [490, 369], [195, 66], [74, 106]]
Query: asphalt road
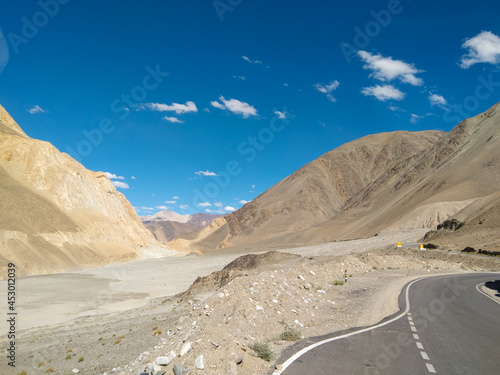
[[446, 326]]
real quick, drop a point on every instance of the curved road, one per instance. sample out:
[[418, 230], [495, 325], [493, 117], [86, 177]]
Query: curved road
[[446, 326]]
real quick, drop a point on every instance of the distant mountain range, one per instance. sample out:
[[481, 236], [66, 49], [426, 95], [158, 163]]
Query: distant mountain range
[[167, 225], [384, 182]]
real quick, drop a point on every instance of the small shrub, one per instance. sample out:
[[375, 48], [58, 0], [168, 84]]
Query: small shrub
[[263, 351], [338, 282], [469, 249], [22, 373], [49, 370], [41, 364], [68, 357], [157, 332], [489, 252], [69, 350], [290, 334], [375, 267], [80, 359], [118, 341]]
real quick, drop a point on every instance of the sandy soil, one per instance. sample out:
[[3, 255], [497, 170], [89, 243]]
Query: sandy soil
[[122, 317], [54, 299]]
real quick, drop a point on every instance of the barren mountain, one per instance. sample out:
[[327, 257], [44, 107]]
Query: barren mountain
[[167, 225], [55, 214], [388, 181], [166, 215]]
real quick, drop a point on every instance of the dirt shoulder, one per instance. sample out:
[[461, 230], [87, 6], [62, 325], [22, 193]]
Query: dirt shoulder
[[254, 299]]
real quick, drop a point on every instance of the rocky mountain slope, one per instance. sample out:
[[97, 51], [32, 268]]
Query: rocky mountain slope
[[388, 181], [55, 214], [167, 225]]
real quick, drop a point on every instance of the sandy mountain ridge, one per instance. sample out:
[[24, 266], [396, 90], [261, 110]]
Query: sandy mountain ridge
[[55, 214], [167, 225], [379, 183], [166, 215]]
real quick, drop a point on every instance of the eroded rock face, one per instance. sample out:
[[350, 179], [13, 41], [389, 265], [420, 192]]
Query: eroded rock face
[[56, 214], [450, 225]]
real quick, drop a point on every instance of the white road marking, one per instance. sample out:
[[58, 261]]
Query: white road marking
[[424, 355], [411, 323], [413, 329], [300, 353], [419, 345], [490, 297], [430, 368], [410, 318], [415, 336]]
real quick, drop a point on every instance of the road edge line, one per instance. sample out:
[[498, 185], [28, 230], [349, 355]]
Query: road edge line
[[486, 294], [303, 351]]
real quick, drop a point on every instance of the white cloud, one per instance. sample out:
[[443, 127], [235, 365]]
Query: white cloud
[[251, 61], [243, 201], [383, 93], [205, 204], [386, 69], [229, 209], [170, 202], [214, 212], [113, 176], [36, 109], [235, 106], [395, 108], [253, 186], [174, 107], [175, 197], [206, 110], [241, 78], [173, 119], [133, 177], [162, 207], [205, 173], [438, 100], [483, 48], [121, 185], [216, 104], [281, 115], [184, 206], [414, 118], [218, 204], [147, 208], [328, 89]]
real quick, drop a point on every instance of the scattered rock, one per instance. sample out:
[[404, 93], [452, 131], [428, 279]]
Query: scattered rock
[[199, 363], [178, 370], [215, 343], [185, 349], [164, 361], [239, 360]]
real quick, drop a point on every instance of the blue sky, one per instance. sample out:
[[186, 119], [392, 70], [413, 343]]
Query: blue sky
[[203, 105]]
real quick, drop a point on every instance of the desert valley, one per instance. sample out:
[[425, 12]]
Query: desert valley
[[234, 187], [184, 295]]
